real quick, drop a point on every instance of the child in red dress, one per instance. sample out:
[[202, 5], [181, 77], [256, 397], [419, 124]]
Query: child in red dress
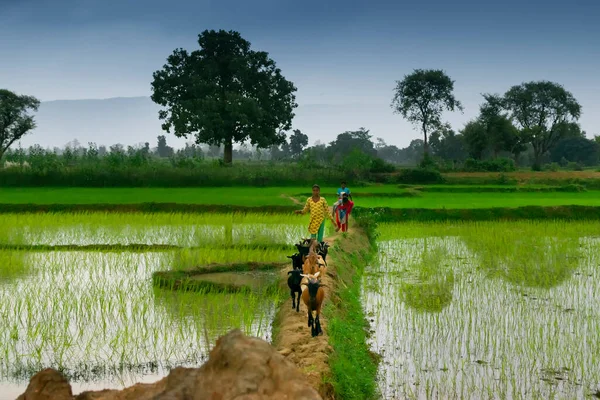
[[342, 210]]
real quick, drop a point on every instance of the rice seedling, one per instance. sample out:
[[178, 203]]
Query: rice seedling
[[96, 317], [186, 230], [486, 310]]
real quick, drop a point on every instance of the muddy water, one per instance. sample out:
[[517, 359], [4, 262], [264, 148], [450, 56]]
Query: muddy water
[[451, 322], [96, 317]]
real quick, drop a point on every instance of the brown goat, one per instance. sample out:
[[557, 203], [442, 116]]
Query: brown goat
[[313, 295], [314, 263]]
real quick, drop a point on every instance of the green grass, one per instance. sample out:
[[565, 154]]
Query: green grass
[[353, 366]]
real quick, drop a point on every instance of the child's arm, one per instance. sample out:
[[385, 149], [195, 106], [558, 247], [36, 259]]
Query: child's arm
[[305, 209], [326, 210]]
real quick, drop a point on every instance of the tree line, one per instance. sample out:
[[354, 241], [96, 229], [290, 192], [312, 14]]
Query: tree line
[[226, 93]]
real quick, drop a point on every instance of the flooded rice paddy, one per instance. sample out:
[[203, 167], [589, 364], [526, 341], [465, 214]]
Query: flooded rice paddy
[[95, 316], [486, 310]]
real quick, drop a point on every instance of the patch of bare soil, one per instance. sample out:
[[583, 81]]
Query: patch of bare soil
[[294, 340], [239, 368]]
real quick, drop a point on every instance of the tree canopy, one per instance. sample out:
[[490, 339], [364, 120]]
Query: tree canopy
[[541, 109], [422, 96], [15, 120], [224, 93]]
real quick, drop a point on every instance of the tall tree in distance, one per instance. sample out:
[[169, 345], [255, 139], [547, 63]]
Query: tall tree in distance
[[161, 147], [541, 110], [15, 120], [501, 133], [224, 93], [298, 141], [422, 96]]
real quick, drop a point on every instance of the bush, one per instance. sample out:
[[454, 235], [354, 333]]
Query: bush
[[497, 165], [552, 167], [572, 187], [420, 176], [379, 165], [428, 163], [574, 166]]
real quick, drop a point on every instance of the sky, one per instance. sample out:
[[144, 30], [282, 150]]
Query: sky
[[340, 54]]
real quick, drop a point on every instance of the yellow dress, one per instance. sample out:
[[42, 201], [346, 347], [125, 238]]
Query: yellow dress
[[318, 212]]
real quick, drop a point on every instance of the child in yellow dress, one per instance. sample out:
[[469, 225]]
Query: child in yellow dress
[[319, 210]]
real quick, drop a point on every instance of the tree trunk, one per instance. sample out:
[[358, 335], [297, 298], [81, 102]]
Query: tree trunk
[[425, 144], [228, 151], [537, 160]]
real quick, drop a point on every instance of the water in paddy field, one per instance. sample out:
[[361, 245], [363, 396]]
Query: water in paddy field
[[190, 235], [97, 318], [508, 317]]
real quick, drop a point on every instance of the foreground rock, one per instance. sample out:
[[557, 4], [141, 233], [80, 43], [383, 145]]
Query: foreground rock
[[239, 367]]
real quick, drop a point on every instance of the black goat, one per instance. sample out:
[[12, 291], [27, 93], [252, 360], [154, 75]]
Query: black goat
[[294, 280], [296, 261], [322, 249]]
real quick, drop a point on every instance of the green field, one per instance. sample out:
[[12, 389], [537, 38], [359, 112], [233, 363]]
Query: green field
[[457, 309], [96, 316], [486, 310], [482, 200], [278, 196]]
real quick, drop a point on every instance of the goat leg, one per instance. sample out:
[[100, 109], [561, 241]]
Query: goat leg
[[318, 329], [293, 299]]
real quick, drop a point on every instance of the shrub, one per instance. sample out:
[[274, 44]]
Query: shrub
[[379, 165], [428, 163], [497, 165], [552, 167], [574, 166], [420, 176]]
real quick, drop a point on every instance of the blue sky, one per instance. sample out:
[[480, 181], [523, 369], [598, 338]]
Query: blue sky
[[336, 52]]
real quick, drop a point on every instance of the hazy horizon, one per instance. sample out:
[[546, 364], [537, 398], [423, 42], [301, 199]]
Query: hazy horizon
[[338, 54]]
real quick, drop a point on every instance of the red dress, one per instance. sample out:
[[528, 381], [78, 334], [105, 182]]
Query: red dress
[[342, 212]]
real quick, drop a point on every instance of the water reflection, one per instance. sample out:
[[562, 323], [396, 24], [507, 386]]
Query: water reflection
[[97, 318], [528, 261], [444, 329]]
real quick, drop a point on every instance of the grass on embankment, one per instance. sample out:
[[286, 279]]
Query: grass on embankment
[[353, 366]]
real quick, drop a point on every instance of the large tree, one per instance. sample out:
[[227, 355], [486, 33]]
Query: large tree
[[15, 120], [346, 142], [422, 96], [541, 110], [224, 93]]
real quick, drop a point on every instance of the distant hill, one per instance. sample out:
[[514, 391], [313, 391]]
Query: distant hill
[[134, 120]]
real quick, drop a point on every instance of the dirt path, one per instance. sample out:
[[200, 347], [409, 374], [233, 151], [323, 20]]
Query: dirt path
[[294, 339]]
